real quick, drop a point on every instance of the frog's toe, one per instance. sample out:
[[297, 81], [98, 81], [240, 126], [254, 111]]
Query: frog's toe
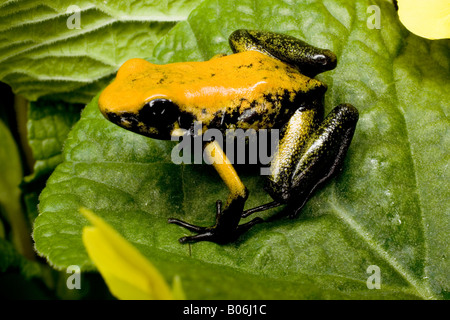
[[214, 234], [242, 228], [186, 225], [204, 236]]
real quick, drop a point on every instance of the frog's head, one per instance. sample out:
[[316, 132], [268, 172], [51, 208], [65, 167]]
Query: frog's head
[[134, 102], [157, 119]]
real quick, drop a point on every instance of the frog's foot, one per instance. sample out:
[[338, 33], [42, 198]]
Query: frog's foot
[[214, 234], [222, 232], [260, 208]]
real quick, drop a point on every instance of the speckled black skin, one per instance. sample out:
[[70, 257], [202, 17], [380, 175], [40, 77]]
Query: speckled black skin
[[319, 158], [308, 59]]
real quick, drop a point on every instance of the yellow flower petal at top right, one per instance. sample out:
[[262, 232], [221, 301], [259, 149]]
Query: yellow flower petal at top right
[[428, 19]]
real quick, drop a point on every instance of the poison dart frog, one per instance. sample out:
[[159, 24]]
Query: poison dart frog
[[268, 82]]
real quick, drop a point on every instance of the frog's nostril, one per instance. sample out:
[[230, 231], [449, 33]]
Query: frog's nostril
[[331, 59], [326, 59], [320, 59]]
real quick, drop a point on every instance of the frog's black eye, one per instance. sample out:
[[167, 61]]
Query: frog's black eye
[[159, 113]]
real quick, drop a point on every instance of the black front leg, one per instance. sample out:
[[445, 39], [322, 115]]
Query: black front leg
[[226, 229]]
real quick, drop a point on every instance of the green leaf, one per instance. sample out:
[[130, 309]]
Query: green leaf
[[10, 201], [21, 278], [49, 123], [2, 230], [11, 259], [388, 208], [11, 173], [42, 52]]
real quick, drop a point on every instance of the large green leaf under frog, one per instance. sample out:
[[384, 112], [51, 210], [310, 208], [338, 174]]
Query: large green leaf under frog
[[388, 208]]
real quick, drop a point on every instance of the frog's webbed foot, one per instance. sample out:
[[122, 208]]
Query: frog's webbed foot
[[195, 228], [214, 234], [224, 231]]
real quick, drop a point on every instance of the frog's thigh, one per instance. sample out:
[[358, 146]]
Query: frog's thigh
[[305, 161], [296, 132]]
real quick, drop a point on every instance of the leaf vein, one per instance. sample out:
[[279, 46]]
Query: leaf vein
[[420, 289]]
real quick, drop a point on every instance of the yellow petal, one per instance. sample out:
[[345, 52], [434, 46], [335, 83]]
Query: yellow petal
[[428, 19], [178, 293], [128, 274]]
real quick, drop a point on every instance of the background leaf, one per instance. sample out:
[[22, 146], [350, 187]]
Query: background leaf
[[20, 278], [40, 55], [49, 122], [388, 208], [10, 194]]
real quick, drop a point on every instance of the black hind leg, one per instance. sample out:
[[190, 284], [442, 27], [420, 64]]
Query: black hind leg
[[297, 170]]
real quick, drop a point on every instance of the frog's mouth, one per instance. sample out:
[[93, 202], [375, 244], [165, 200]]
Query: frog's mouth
[[132, 122], [155, 119]]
